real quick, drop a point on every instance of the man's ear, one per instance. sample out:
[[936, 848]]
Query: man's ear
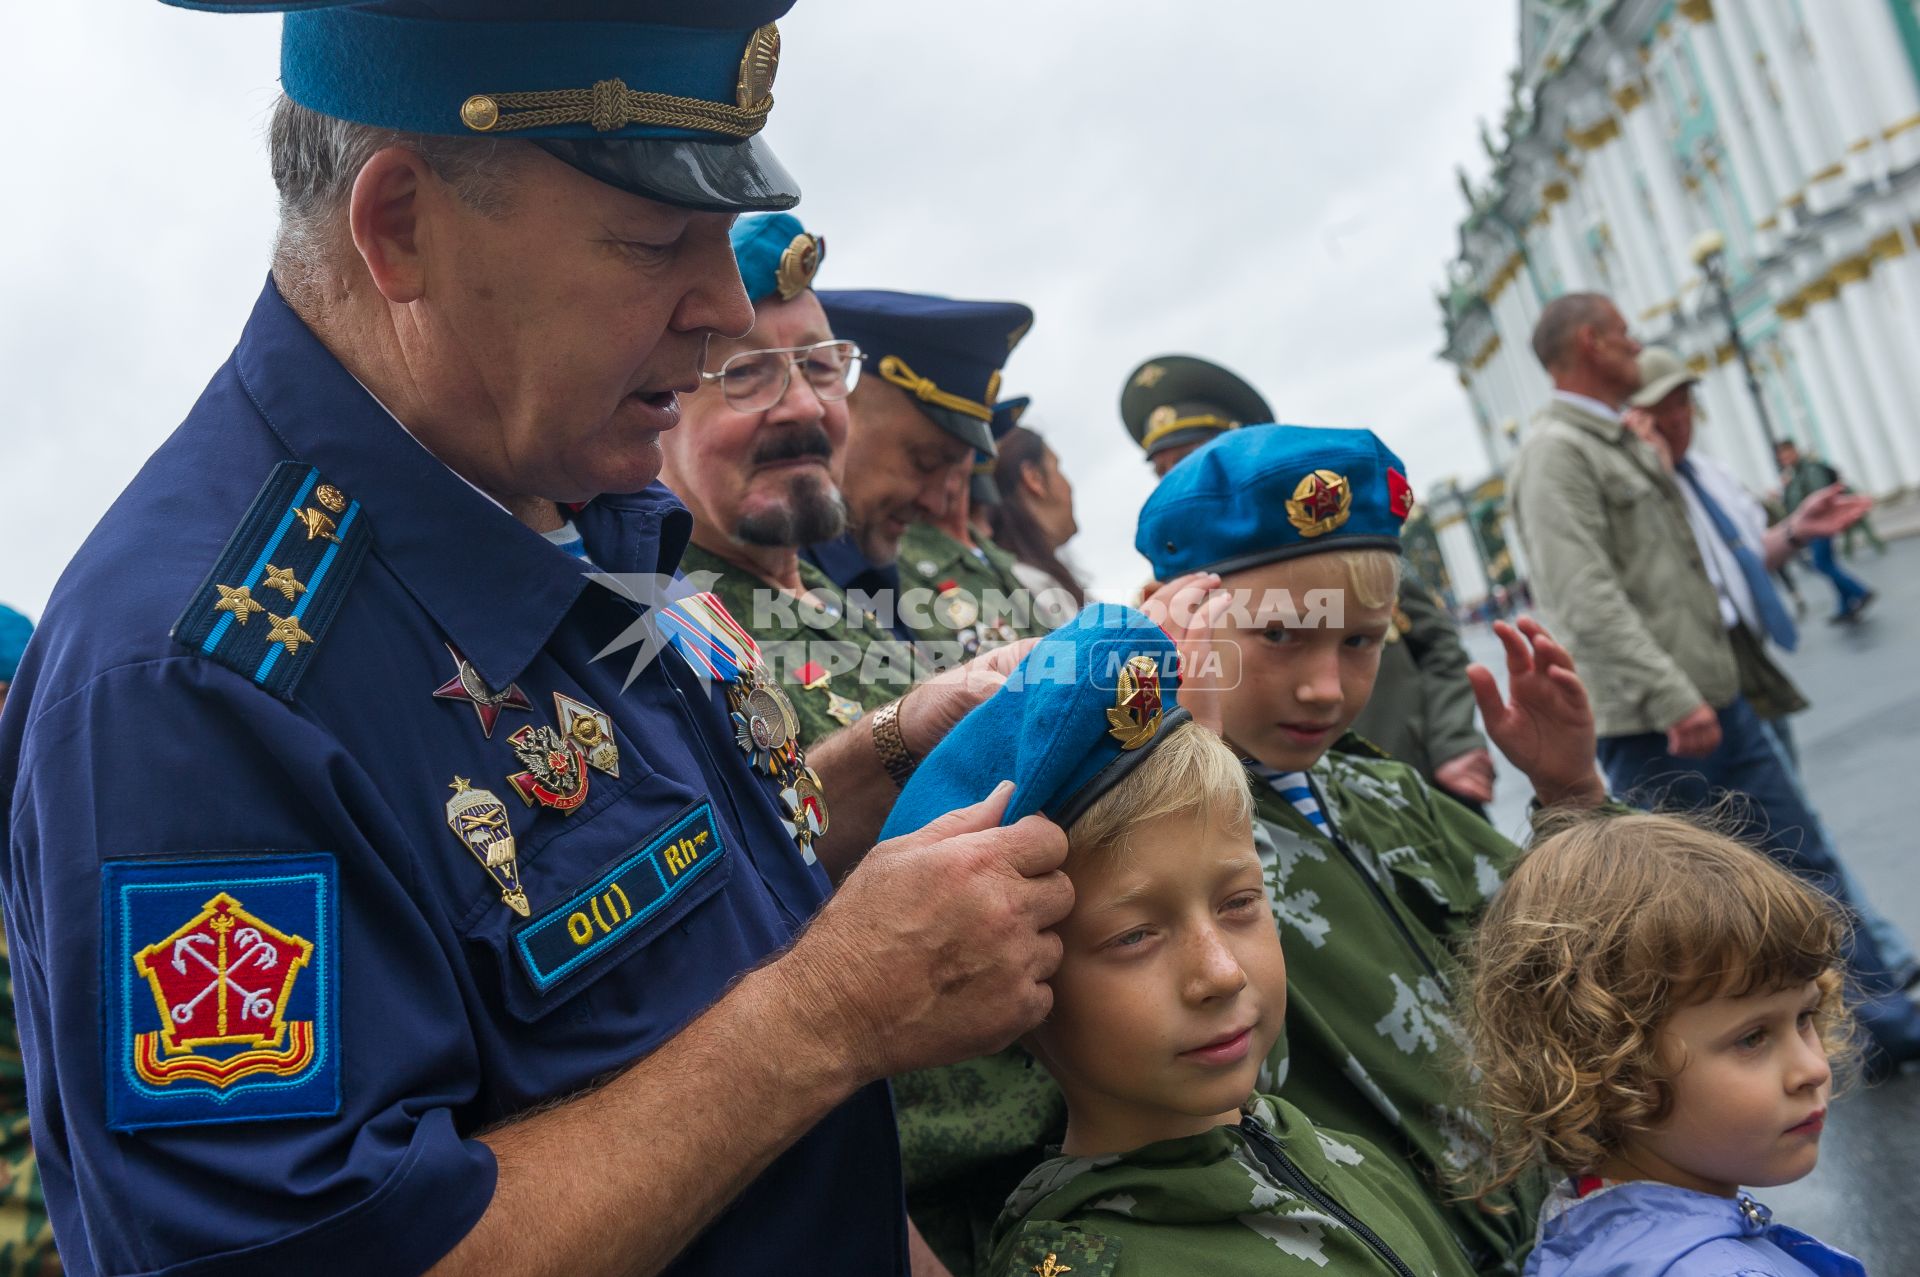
[[385, 213]]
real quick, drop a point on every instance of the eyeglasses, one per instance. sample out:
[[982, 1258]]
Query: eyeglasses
[[756, 380]]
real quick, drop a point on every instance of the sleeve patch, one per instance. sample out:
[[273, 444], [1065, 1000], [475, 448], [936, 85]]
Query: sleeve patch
[[264, 609], [222, 993], [1052, 1249]]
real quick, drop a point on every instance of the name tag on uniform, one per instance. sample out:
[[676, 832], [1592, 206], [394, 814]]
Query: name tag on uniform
[[643, 885]]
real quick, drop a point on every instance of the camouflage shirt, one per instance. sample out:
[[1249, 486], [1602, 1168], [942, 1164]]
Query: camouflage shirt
[[833, 662], [978, 601], [26, 1238], [1369, 913], [1271, 1196]]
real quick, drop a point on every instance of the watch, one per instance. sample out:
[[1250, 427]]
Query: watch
[[890, 745]]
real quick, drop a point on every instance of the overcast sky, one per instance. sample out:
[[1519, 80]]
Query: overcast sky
[[1268, 183]]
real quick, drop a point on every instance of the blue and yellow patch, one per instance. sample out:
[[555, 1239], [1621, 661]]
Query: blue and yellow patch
[[222, 997], [653, 883], [278, 584]]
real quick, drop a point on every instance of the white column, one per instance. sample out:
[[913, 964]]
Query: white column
[[1806, 114], [1624, 233], [1865, 321], [1899, 271], [1750, 177], [1886, 74], [1838, 68], [1569, 252], [1860, 419], [1732, 42], [1463, 562], [1829, 434], [1654, 158], [1738, 426]]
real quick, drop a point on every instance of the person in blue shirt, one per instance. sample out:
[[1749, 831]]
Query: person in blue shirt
[[387, 894]]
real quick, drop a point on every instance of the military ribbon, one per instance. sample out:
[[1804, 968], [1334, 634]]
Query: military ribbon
[[700, 629]]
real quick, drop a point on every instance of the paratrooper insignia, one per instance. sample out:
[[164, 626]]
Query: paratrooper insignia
[[798, 265], [1321, 502], [479, 820], [1135, 716]]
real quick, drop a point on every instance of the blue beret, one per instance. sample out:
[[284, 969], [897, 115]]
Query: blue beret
[[661, 97], [946, 353], [1274, 492], [15, 630], [776, 255], [1086, 706]]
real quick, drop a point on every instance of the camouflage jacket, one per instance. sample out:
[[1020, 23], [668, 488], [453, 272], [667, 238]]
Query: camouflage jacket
[[1268, 1197], [26, 1238], [978, 601], [834, 663], [1421, 710], [1369, 916]]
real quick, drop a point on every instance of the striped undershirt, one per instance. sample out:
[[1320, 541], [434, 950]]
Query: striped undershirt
[[1293, 787]]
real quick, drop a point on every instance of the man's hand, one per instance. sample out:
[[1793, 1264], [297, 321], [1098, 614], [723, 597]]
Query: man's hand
[[1547, 728], [1188, 608], [936, 948], [1696, 735], [1468, 775], [1828, 512], [1639, 422], [930, 709]]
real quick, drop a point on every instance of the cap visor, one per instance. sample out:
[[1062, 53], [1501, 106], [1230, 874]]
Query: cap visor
[[1648, 396], [714, 177]]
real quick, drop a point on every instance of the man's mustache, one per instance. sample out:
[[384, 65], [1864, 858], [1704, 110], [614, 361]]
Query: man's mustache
[[794, 443]]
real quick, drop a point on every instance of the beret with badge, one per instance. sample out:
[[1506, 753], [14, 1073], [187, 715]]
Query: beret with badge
[[945, 353], [777, 256], [662, 98], [1088, 704], [1173, 400], [1276, 492]]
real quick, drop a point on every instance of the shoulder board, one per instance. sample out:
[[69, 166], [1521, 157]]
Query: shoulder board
[[1355, 743], [1051, 1248], [264, 609]]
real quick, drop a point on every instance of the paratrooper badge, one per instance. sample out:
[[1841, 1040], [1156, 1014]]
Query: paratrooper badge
[[479, 820], [556, 774], [799, 263], [467, 685], [1135, 715], [843, 710], [1321, 502], [221, 989], [591, 730]]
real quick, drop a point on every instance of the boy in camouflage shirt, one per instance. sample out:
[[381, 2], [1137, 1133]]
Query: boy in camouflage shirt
[[1373, 874]]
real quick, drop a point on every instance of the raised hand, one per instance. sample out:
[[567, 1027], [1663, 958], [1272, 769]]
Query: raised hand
[[1545, 728]]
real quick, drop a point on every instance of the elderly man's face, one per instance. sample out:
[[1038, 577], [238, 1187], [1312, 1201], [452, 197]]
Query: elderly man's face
[[769, 477], [899, 468], [1612, 351], [556, 337], [1673, 418]]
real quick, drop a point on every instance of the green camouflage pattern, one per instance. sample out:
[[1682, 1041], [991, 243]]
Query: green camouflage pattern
[[931, 559], [26, 1238], [1369, 919], [1209, 1204], [858, 664], [1421, 709]]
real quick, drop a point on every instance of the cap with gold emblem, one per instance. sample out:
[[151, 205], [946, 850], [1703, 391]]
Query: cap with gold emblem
[[1083, 709], [663, 98], [1172, 400], [1279, 492], [777, 256]]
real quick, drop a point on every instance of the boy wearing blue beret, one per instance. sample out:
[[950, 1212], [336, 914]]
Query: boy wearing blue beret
[[1373, 874], [1170, 994]]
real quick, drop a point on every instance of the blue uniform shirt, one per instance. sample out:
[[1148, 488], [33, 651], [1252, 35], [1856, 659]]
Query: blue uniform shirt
[[183, 848]]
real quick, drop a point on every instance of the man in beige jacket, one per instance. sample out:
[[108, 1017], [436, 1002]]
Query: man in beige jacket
[[1621, 577]]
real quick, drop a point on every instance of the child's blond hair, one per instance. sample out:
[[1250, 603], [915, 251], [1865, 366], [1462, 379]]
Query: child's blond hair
[[1192, 770], [1603, 931]]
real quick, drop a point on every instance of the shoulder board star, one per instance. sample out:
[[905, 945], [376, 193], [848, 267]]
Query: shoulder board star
[[282, 579], [286, 629], [238, 601]]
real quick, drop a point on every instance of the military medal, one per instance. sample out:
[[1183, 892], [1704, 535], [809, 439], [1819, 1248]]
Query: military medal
[[467, 685], [843, 709], [954, 608], [479, 819], [805, 803], [556, 774], [591, 730]]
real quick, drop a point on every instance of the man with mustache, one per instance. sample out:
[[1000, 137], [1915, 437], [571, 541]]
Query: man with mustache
[[363, 917], [758, 464]]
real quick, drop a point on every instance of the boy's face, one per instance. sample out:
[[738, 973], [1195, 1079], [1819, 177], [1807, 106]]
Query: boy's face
[[1171, 990], [1750, 1096], [1299, 688]]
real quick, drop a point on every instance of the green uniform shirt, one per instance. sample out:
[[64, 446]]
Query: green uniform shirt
[[26, 1238], [1368, 918], [1224, 1203], [1421, 709], [968, 590], [833, 662]]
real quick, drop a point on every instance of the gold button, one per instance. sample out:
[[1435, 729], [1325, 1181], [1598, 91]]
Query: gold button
[[480, 113]]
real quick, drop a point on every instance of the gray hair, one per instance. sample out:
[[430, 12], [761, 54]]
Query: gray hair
[[1562, 318], [316, 158]]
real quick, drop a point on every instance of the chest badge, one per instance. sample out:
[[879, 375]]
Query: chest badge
[[467, 685], [556, 774], [479, 820], [589, 729]]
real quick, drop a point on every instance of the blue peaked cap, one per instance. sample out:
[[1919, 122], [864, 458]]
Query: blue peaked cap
[[15, 630], [664, 98], [1269, 492], [776, 255], [945, 353], [1063, 729]]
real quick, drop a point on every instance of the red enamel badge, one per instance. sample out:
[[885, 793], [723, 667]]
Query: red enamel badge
[[1399, 494]]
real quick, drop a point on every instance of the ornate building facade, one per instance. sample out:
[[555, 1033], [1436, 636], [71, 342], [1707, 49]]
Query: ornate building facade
[[1789, 128]]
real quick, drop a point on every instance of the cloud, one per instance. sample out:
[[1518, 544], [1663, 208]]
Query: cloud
[[1267, 184]]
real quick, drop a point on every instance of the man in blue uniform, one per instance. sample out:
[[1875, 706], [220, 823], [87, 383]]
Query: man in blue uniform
[[363, 915]]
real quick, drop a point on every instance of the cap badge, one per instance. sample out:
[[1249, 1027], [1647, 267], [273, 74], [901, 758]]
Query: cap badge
[[1149, 376], [1162, 417], [798, 265], [1135, 717], [1321, 502], [757, 68]]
